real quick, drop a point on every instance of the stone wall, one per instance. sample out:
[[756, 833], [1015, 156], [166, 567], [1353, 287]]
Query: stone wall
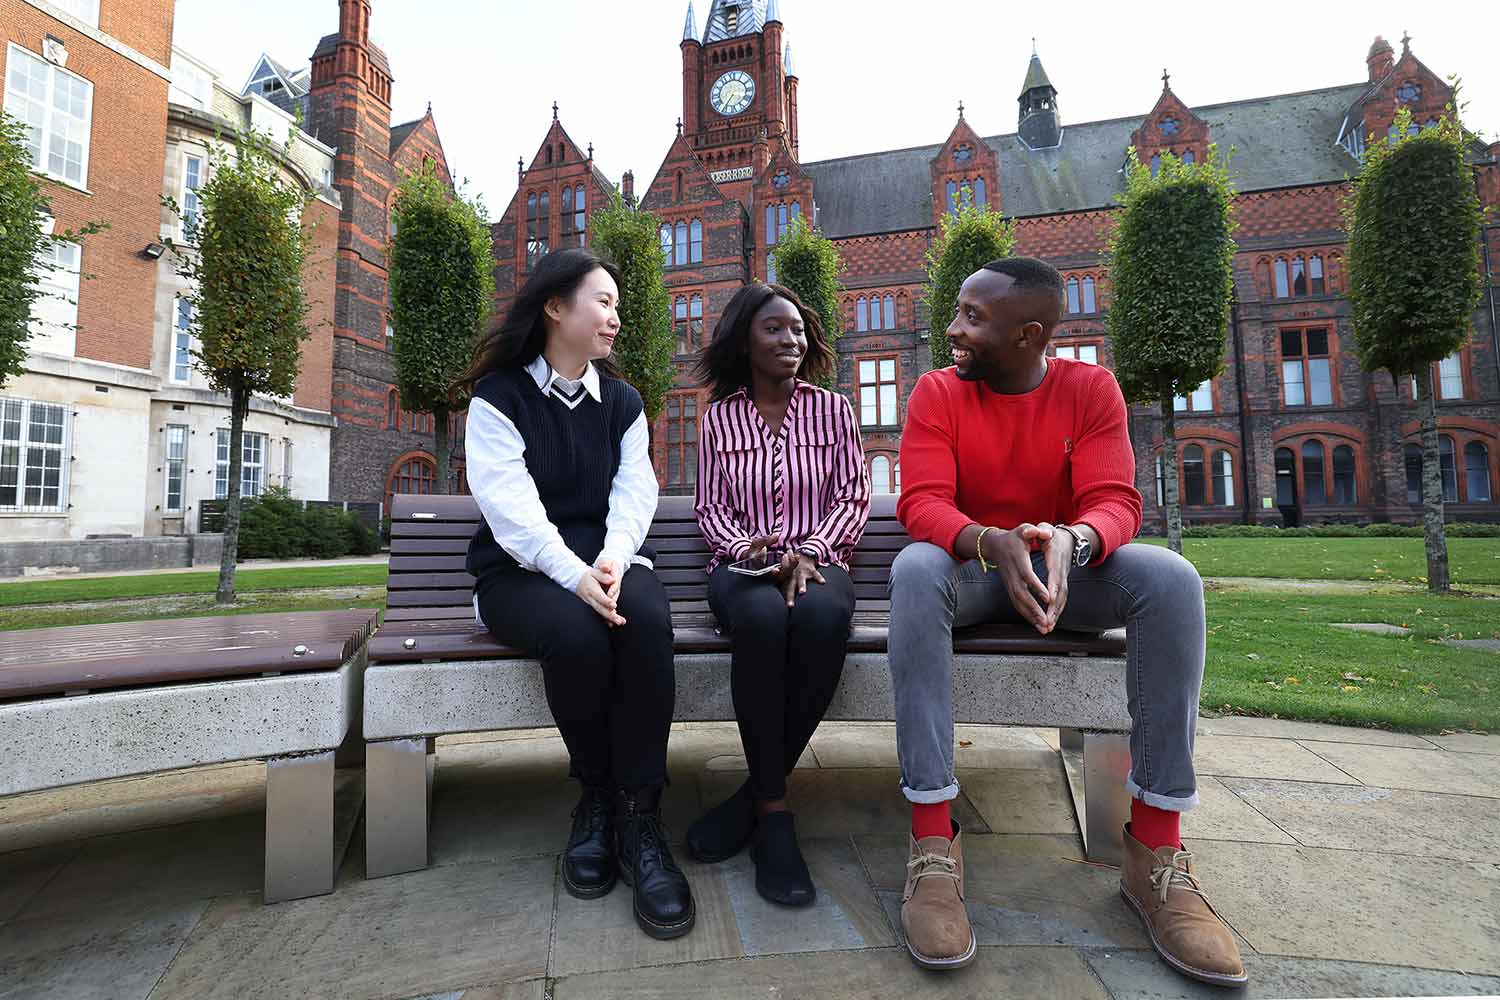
[[102, 555]]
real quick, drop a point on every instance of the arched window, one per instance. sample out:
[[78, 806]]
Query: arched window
[[680, 324], [417, 474], [536, 227], [580, 216], [1155, 163], [1223, 479], [695, 241], [1192, 476], [979, 195], [567, 216], [1299, 276], [680, 236], [1449, 470], [1477, 472], [771, 268], [1314, 486], [861, 314], [1090, 303], [1286, 478], [1315, 274], [695, 321], [896, 473], [1345, 492], [666, 245], [951, 198], [679, 186], [1188, 157], [1412, 455], [880, 474], [549, 154], [890, 312], [392, 411], [1073, 305], [770, 225], [1161, 483], [1283, 290]]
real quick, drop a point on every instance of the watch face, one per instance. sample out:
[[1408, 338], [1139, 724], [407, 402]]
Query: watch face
[[732, 92]]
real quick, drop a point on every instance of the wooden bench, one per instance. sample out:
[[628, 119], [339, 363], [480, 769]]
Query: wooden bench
[[434, 670], [89, 702]]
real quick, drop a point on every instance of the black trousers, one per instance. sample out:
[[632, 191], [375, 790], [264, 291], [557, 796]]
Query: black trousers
[[785, 666], [610, 688]]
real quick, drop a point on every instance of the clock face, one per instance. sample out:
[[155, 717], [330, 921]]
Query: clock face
[[732, 92]]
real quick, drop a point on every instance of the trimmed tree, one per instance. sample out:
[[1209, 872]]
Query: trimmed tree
[[249, 308], [643, 350], [967, 240], [808, 263], [1414, 278], [1171, 270], [442, 292], [24, 203]]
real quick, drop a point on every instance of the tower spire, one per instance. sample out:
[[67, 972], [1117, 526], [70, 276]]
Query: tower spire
[[1040, 127], [773, 11], [690, 27]]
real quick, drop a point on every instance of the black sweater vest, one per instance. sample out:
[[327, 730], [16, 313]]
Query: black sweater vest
[[572, 456]]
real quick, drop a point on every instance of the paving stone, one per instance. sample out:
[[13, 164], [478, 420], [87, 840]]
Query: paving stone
[[113, 951], [494, 736], [842, 802], [1020, 890], [1223, 815], [595, 935], [1374, 628], [1249, 757], [1468, 742], [496, 801], [736, 761], [24, 873], [1355, 906], [1242, 725], [1422, 770], [856, 975], [102, 808], [529, 989], [987, 746], [1377, 820], [433, 931], [846, 913], [1137, 975], [1022, 801]]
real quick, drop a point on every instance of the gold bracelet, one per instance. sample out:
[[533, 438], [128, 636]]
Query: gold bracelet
[[979, 548]]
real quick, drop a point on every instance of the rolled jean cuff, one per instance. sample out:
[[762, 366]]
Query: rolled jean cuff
[[928, 796], [1167, 803]]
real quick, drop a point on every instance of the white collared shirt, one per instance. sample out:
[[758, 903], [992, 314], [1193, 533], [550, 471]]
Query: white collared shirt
[[508, 498]]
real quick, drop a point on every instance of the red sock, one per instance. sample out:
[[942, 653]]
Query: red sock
[[1154, 827], [931, 819]]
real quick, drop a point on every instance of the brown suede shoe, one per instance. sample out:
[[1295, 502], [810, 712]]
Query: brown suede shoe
[[937, 928], [1186, 931]]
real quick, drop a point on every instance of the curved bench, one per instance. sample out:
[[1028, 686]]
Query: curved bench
[[434, 671], [89, 702]]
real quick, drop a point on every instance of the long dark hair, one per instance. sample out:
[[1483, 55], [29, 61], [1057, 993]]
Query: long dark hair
[[520, 337], [724, 365]]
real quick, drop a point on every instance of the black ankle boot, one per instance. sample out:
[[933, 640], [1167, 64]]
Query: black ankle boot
[[588, 863], [724, 830], [663, 902], [781, 873]]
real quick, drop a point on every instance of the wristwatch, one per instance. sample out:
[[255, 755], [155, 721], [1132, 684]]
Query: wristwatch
[[1082, 550]]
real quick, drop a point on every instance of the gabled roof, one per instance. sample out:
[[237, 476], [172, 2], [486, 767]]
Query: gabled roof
[[751, 18], [399, 133], [1036, 77], [1278, 141], [292, 89]]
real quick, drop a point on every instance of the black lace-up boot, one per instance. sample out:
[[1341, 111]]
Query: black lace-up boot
[[663, 902], [588, 863]]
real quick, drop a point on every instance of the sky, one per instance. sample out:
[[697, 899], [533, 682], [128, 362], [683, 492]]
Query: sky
[[873, 75]]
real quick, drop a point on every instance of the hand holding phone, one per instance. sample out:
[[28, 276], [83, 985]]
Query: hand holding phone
[[760, 564]]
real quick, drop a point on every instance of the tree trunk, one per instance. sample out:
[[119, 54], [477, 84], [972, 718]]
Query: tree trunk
[[1432, 490], [1169, 473], [239, 402], [441, 449]]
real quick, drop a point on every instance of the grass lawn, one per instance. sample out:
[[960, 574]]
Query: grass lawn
[[194, 606], [1470, 560], [107, 588], [1276, 654]]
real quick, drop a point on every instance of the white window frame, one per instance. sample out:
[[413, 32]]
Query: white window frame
[[174, 470], [15, 56], [874, 402], [1076, 352], [286, 464], [180, 346], [1451, 377], [1201, 400], [880, 476], [53, 328], [249, 487], [184, 192], [17, 453]]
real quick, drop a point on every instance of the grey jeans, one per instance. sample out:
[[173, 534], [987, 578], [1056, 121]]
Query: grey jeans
[[1155, 593]]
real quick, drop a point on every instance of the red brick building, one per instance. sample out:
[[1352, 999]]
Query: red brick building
[[1291, 430]]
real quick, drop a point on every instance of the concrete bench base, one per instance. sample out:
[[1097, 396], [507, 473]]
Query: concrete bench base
[[296, 722], [408, 703]]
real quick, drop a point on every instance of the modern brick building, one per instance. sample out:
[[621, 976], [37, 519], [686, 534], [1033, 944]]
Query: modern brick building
[[1292, 430]]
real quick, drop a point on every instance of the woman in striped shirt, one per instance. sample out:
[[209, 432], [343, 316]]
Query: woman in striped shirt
[[780, 471]]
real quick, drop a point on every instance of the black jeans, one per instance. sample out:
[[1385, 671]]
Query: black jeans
[[785, 666], [610, 689]]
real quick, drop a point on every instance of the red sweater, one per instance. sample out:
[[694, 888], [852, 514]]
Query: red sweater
[[1060, 453]]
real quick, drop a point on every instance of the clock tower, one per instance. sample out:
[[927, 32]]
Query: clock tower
[[736, 89]]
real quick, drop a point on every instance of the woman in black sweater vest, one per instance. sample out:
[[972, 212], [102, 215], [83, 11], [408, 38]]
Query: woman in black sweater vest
[[558, 460]]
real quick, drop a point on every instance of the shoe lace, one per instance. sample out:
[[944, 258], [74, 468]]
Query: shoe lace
[[932, 866], [653, 836], [1164, 877]]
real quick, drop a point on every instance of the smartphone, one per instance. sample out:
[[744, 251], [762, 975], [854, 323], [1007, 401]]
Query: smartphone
[[757, 565]]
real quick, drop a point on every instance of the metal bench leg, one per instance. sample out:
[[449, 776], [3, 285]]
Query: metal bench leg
[[299, 826], [1106, 763], [398, 786]]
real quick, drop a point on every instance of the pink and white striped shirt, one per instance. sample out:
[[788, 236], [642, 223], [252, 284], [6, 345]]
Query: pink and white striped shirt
[[806, 484]]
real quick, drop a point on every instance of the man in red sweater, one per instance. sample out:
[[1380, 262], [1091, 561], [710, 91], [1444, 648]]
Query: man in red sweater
[[1018, 494]]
